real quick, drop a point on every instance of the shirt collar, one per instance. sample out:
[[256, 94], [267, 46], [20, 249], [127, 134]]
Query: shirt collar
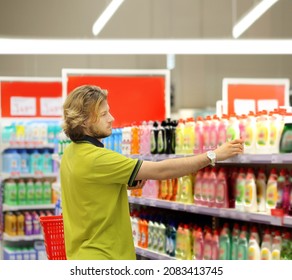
[[92, 140]]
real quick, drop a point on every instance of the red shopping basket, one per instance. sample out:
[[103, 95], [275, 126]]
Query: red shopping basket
[[53, 231]]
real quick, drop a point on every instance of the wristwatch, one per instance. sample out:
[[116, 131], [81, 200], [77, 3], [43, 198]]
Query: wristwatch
[[212, 157]]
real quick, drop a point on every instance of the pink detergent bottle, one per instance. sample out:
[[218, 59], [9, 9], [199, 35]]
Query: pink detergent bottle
[[212, 187], [205, 186], [199, 140], [198, 187], [221, 198]]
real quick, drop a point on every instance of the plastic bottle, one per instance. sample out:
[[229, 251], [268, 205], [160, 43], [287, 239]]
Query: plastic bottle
[[262, 133], [20, 223], [250, 134], [163, 189], [285, 145], [180, 183], [21, 192], [135, 136], [135, 229], [222, 128], [11, 161], [24, 161], [242, 252], [205, 186], [206, 133], [187, 190], [212, 187], [36, 227], [199, 140], [286, 196], [47, 162], [253, 249], [28, 226], [250, 193], [34, 161], [186, 246], [221, 196], [161, 237], [10, 192], [240, 186], [30, 193], [232, 130], [276, 246], [208, 245], [155, 235], [234, 241], [233, 174], [189, 136], [272, 194], [198, 187], [215, 245], [198, 245], [144, 137], [171, 239], [224, 243], [261, 185], [47, 192], [38, 192], [126, 140], [266, 246], [179, 137], [281, 182], [179, 242], [10, 226], [213, 137], [276, 127]]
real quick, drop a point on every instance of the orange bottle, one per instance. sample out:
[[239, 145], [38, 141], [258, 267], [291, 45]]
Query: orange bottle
[[20, 223]]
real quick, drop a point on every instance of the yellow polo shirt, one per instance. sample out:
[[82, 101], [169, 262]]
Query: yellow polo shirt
[[95, 203]]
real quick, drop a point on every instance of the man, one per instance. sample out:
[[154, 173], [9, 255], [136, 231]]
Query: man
[[94, 180]]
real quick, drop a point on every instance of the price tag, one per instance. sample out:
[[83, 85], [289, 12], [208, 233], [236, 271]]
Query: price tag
[[22, 106], [51, 106]]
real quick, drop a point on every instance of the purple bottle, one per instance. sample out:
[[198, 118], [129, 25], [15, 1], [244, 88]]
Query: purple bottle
[[27, 224], [36, 227]]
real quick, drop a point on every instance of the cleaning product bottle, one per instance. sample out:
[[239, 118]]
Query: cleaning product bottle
[[250, 134], [187, 243], [272, 194], [266, 246], [285, 145], [250, 195], [198, 245], [262, 133], [24, 161], [221, 196], [161, 237], [224, 243], [30, 193], [213, 136], [234, 241], [206, 133], [171, 239], [179, 242], [205, 186], [187, 189], [179, 137], [161, 138], [242, 252], [253, 249], [199, 140], [10, 192], [261, 185], [10, 226], [276, 246], [189, 136], [222, 128], [233, 174], [240, 187], [180, 183], [215, 245], [232, 130], [21, 192], [198, 187], [208, 245], [20, 223], [46, 192], [281, 182], [212, 186], [38, 191]]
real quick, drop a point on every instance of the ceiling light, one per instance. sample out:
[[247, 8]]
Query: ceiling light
[[106, 16], [144, 47], [255, 13]]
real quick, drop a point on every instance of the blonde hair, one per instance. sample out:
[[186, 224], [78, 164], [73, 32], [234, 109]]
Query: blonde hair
[[81, 104]]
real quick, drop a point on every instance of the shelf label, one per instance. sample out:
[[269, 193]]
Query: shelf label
[[23, 106], [51, 106]]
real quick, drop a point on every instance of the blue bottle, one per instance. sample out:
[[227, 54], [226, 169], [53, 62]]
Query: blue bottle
[[34, 161], [11, 161], [24, 161], [47, 164]]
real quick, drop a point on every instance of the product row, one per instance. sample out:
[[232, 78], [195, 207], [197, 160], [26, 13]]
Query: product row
[[27, 192], [26, 161], [31, 133], [35, 252], [245, 189], [24, 223], [264, 133], [188, 241]]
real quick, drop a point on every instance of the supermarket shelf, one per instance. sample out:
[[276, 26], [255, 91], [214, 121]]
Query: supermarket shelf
[[25, 145], [18, 238], [6, 207], [240, 159], [5, 176], [152, 254], [217, 212]]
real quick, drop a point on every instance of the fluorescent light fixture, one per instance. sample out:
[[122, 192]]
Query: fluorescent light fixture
[[255, 13], [106, 16], [144, 47]]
